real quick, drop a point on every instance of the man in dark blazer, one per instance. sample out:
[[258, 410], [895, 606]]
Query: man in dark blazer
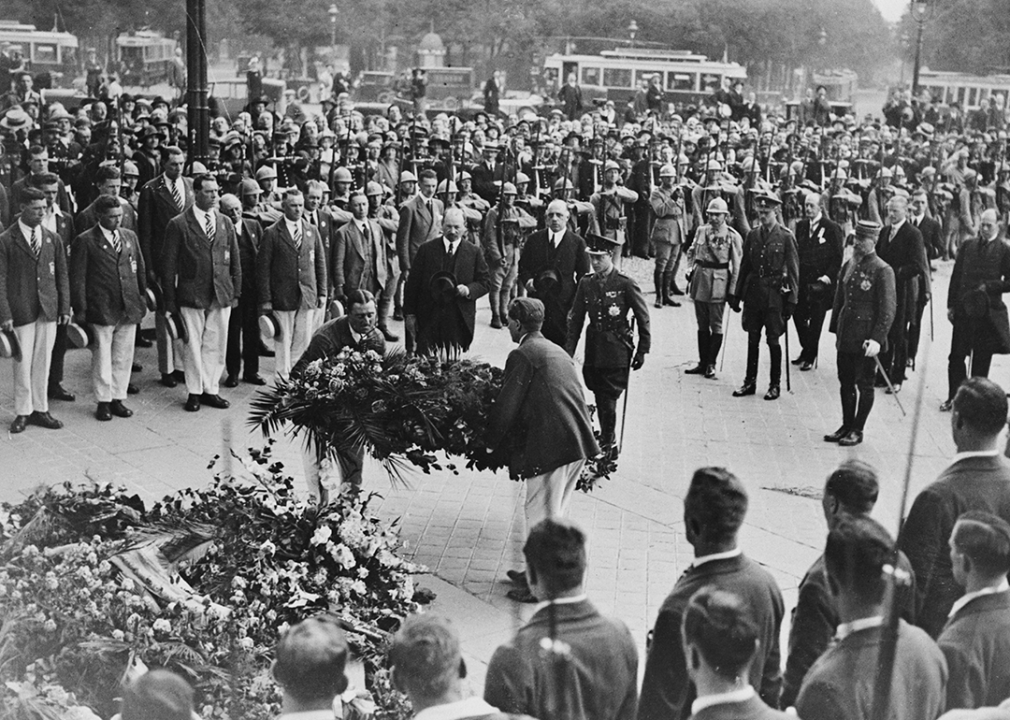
[[445, 320], [932, 240], [358, 253], [714, 511], [108, 283], [108, 181], [552, 263], [978, 478], [819, 242], [541, 401], [38, 164], [975, 304], [488, 175], [161, 199], [34, 299], [201, 277], [843, 679], [420, 220], [976, 638], [900, 246], [291, 281], [601, 673], [243, 324]]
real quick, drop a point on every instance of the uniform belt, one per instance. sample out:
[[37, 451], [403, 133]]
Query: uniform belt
[[712, 265]]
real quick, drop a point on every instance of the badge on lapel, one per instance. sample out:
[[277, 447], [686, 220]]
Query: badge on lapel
[[866, 284], [52, 268]]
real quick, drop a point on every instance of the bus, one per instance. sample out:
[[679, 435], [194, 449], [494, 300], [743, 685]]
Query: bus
[[617, 74], [968, 90], [145, 58], [51, 55], [449, 88]]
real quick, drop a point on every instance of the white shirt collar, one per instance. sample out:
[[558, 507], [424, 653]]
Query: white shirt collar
[[557, 237], [968, 597], [733, 696], [26, 231], [896, 227], [201, 215], [470, 707], [735, 552], [292, 226], [449, 246], [846, 629], [973, 454], [559, 601], [110, 236], [817, 220]]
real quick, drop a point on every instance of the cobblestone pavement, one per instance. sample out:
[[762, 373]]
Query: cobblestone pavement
[[468, 529]]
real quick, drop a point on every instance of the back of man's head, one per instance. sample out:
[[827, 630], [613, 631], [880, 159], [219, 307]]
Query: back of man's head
[[311, 658], [556, 554], [981, 405], [985, 539], [721, 626], [529, 312], [854, 485], [858, 548], [426, 658], [157, 695], [716, 505]]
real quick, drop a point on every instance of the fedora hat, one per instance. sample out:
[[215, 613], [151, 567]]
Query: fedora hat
[[443, 287], [9, 345], [176, 327], [79, 336], [548, 282], [335, 309], [270, 329]]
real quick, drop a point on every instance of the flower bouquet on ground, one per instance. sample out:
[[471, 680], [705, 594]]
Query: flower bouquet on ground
[[401, 409]]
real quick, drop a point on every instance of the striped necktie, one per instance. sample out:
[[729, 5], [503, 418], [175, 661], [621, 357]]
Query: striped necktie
[[180, 201], [209, 227], [298, 236], [117, 243], [36, 242]]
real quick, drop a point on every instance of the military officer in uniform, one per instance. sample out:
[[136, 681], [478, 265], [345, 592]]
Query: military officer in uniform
[[608, 205], [864, 308], [606, 296], [714, 266], [668, 233], [769, 276]]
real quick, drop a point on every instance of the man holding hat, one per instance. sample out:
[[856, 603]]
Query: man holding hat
[[608, 205], [819, 241], [501, 241], [864, 308], [244, 341], [713, 267], [607, 296], [769, 278], [668, 233]]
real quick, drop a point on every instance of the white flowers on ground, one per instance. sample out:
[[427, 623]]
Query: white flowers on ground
[[162, 625], [322, 535]]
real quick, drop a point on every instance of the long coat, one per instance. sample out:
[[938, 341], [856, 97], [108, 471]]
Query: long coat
[[906, 254], [417, 226], [983, 266], [288, 277], [32, 289], [105, 286], [347, 259], [864, 304], [569, 261], [196, 273], [820, 251]]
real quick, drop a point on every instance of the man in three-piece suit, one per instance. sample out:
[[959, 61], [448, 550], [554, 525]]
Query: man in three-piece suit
[[978, 478], [552, 263], [932, 240], [34, 298], [291, 281], [243, 324], [202, 277], [358, 253], [714, 511], [443, 319], [108, 283], [161, 199], [819, 242], [975, 304]]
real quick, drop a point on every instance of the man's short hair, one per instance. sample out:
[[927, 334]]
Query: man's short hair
[[359, 297], [311, 658], [315, 185], [529, 312], [985, 539], [201, 179], [174, 151], [854, 484], [30, 195], [157, 695], [717, 501], [982, 404], [292, 193], [107, 172], [43, 179], [428, 174], [556, 550], [425, 655], [36, 150], [858, 548], [720, 624], [104, 203]]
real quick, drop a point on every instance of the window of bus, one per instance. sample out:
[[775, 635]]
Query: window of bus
[[45, 54], [591, 76], [617, 77], [935, 92], [681, 82], [710, 82], [644, 77], [973, 98]]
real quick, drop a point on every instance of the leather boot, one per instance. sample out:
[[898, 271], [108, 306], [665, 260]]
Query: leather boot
[[669, 286], [704, 341], [775, 376], [658, 280], [607, 409], [713, 353], [749, 386]]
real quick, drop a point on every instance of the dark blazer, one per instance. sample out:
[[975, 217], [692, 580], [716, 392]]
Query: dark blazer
[[19, 186], [248, 249], [840, 684], [820, 254], [864, 306], [195, 272], [155, 209], [974, 483], [601, 677], [105, 287], [88, 218], [753, 709], [289, 278], [347, 261], [326, 226], [906, 255], [667, 691], [32, 289], [417, 226], [333, 337], [976, 644], [452, 323], [571, 263], [542, 396], [484, 180], [932, 237], [986, 267]]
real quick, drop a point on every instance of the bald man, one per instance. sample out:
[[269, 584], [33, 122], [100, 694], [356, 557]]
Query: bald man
[[975, 304], [552, 263]]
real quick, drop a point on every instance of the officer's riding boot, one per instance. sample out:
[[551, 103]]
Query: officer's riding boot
[[658, 277], [713, 354], [704, 342], [749, 386], [866, 395], [607, 408], [775, 380], [669, 287]]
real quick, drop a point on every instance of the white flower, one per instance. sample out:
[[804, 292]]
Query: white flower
[[268, 548], [321, 535], [50, 626], [162, 625], [128, 584], [359, 587], [239, 583], [246, 643], [118, 635], [343, 556]]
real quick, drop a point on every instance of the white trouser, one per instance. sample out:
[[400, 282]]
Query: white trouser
[[549, 495], [206, 347], [31, 375], [168, 350], [112, 360], [296, 328]]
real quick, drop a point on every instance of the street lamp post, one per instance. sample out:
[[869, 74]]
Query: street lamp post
[[333, 25], [919, 8]]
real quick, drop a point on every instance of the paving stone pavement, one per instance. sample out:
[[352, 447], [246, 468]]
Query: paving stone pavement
[[468, 529]]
